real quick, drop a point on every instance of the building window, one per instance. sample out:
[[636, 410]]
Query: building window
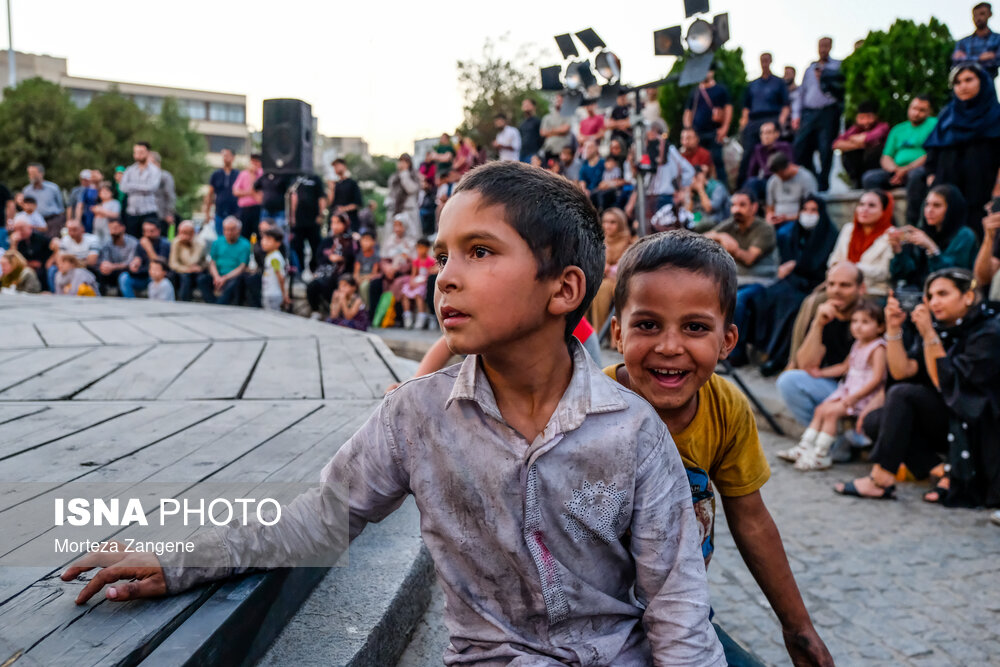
[[237, 145], [148, 103], [193, 109], [80, 98], [226, 113]]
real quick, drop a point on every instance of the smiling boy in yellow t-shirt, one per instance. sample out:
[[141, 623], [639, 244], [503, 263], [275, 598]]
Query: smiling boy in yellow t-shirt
[[674, 302]]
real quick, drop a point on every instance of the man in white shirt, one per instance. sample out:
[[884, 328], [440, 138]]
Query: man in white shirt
[[78, 243], [508, 141]]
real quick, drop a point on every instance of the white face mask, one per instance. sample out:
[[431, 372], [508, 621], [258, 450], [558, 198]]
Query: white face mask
[[808, 220]]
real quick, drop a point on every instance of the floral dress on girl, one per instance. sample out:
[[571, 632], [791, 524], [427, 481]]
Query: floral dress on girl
[[859, 373]]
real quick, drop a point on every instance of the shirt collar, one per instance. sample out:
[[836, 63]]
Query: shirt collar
[[589, 391]]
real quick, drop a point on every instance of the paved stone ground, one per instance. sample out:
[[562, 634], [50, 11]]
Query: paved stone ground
[[887, 583]]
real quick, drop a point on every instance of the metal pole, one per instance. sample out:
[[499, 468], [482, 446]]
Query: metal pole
[[639, 142], [11, 60]]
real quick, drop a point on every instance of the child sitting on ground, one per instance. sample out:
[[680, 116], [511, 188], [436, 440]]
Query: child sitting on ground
[[274, 290], [863, 386], [415, 290], [160, 289], [347, 308], [674, 304], [552, 500], [72, 278]]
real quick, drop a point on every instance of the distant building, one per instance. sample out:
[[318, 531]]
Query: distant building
[[328, 149], [423, 146], [219, 117]]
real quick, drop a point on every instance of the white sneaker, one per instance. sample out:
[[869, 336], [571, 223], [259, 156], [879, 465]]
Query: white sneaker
[[421, 321], [315, 316], [407, 320], [792, 454], [432, 323], [995, 517], [813, 460]]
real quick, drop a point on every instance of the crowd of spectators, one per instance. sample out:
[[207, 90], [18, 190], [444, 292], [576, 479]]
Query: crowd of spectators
[[802, 275]]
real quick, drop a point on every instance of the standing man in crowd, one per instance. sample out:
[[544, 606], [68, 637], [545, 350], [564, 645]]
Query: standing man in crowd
[[765, 101], [48, 196], [709, 112], [140, 183], [508, 140], [620, 121], [220, 191], [77, 194], [308, 198], [903, 158], [555, 130], [530, 129], [272, 188], [247, 198], [816, 116], [345, 195], [166, 195], [983, 45]]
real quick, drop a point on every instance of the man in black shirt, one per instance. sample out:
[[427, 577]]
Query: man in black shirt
[[308, 199], [531, 127], [272, 188], [621, 123], [35, 247], [828, 342], [346, 195]]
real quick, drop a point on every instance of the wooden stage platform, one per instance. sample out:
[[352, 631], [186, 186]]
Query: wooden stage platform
[[114, 390]]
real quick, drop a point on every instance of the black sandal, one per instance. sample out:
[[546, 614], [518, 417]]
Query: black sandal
[[942, 494], [888, 492]]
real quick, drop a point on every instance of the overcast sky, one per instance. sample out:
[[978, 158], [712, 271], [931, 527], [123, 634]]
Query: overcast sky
[[386, 70]]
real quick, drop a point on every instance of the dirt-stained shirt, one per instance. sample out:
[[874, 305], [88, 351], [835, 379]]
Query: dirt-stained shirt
[[578, 548]]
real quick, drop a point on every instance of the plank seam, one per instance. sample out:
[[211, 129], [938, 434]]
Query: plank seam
[[253, 369], [49, 442], [186, 366], [113, 370], [39, 332]]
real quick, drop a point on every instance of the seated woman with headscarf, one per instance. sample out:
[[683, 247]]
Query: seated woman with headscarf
[[964, 148], [941, 241], [948, 407], [803, 248], [865, 241]]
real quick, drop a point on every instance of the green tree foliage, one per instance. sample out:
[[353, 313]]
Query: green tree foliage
[[730, 72], [493, 84], [890, 67], [376, 169], [39, 123]]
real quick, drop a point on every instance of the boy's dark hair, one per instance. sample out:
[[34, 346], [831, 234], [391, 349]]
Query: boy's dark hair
[[368, 232], [276, 235], [347, 278], [552, 215], [159, 262], [424, 241], [778, 162], [679, 249], [867, 106], [872, 310]]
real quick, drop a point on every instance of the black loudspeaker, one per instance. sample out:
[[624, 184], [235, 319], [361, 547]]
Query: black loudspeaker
[[287, 137]]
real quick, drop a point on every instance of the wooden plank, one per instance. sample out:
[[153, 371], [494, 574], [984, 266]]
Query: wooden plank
[[353, 369], [58, 421], [6, 355], [65, 334], [118, 332], [85, 451], [146, 376], [165, 330], [221, 372], [29, 365], [288, 368], [12, 412], [20, 334], [212, 327], [261, 324], [73, 375]]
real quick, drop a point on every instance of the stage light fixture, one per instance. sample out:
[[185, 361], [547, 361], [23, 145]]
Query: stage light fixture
[[578, 76], [700, 37], [590, 40], [567, 46], [608, 66]]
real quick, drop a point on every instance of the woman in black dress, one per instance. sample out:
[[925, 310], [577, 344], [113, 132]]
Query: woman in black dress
[[964, 148]]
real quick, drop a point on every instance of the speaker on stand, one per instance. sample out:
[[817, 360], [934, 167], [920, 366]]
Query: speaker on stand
[[287, 137]]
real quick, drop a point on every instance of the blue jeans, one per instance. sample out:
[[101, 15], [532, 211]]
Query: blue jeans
[[802, 393], [218, 224], [52, 271], [128, 284]]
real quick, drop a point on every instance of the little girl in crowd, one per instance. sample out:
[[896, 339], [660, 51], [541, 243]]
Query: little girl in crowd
[[415, 288], [347, 308], [865, 369], [72, 278]]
